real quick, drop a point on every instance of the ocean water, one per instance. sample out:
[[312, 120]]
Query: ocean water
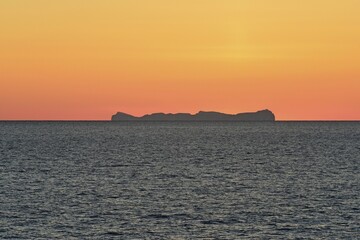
[[103, 180]]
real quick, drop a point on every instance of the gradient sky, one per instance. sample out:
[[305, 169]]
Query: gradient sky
[[87, 59]]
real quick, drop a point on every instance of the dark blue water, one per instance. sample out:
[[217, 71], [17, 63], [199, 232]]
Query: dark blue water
[[103, 180]]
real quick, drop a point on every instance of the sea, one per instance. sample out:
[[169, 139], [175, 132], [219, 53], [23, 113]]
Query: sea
[[179, 180]]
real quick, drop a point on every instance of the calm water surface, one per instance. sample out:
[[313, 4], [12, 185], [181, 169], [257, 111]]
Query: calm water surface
[[103, 180]]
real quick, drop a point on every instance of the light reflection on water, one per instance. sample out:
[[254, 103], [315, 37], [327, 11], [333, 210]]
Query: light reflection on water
[[179, 180]]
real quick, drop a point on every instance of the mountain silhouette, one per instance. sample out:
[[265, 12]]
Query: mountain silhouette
[[259, 116]]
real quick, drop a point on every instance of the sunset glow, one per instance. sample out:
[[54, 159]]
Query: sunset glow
[[87, 59]]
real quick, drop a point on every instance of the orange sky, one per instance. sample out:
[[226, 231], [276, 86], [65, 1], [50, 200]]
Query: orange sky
[[87, 59]]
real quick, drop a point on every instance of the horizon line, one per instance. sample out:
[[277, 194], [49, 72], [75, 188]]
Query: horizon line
[[105, 120]]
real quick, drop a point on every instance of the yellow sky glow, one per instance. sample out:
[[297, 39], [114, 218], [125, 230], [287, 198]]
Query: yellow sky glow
[[87, 59]]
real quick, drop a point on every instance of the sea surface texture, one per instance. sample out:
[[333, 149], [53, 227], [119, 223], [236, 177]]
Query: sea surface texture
[[167, 180]]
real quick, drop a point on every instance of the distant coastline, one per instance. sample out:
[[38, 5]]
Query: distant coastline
[[259, 116]]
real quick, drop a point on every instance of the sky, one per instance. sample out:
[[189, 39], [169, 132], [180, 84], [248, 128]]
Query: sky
[[88, 59]]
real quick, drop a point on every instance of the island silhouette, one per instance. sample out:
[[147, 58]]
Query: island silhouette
[[259, 116]]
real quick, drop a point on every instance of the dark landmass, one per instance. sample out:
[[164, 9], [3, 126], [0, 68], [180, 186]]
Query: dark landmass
[[260, 116]]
